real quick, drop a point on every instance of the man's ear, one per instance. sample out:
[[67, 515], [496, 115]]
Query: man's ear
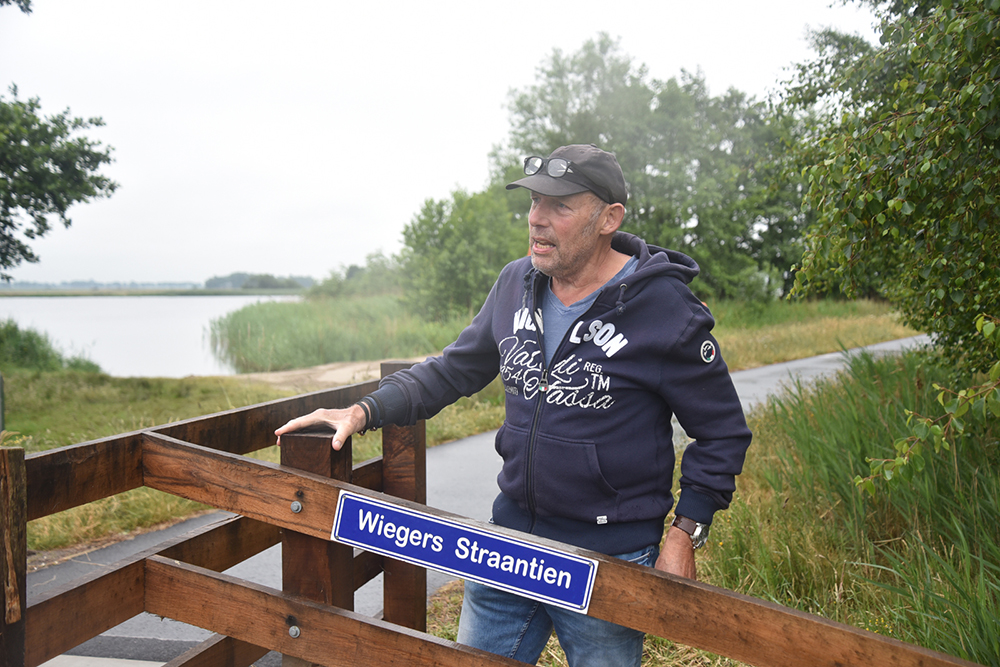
[[612, 218]]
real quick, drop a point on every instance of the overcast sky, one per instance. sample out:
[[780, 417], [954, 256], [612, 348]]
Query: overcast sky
[[295, 138]]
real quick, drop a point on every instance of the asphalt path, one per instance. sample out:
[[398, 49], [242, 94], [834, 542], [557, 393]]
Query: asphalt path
[[461, 478]]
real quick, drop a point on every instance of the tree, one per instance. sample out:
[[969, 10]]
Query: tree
[[45, 167], [23, 5], [701, 169], [905, 186], [454, 250], [906, 183], [379, 275]]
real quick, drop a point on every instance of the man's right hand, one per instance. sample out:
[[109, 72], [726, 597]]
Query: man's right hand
[[345, 422]]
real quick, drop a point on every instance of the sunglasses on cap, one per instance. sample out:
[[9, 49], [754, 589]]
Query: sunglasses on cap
[[558, 167]]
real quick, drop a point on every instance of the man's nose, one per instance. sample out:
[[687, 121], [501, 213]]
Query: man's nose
[[535, 216]]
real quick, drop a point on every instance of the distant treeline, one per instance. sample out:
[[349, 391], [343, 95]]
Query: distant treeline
[[91, 285], [258, 281]]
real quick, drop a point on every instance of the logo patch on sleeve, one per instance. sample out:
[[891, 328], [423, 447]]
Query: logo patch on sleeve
[[708, 351]]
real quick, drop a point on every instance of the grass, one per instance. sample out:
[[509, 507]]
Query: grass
[[278, 336], [48, 409], [275, 336], [919, 564], [54, 408], [752, 335]]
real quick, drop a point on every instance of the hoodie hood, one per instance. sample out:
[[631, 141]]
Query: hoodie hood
[[656, 260]]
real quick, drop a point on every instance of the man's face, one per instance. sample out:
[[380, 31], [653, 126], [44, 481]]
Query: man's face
[[563, 233]]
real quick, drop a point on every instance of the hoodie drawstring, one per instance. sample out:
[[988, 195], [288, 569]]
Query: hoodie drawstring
[[620, 305]]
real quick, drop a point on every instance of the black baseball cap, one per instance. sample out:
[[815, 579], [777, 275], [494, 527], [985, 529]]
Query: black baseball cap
[[592, 169]]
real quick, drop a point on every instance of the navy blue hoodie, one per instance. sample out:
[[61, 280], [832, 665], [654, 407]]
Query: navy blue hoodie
[[587, 442]]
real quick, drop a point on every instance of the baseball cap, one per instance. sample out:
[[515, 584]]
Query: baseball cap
[[591, 169]]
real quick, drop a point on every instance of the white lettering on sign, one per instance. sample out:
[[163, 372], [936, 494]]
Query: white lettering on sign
[[508, 563]]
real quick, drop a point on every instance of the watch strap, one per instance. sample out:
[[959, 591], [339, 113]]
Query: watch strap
[[697, 531]]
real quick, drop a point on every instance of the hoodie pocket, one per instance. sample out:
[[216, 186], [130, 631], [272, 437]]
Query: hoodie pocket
[[566, 474]]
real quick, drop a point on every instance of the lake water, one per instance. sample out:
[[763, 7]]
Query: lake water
[[142, 336]]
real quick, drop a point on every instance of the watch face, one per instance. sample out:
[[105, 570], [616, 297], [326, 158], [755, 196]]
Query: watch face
[[700, 535]]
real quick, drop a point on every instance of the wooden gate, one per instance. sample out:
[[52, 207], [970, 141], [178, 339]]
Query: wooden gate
[[311, 620]]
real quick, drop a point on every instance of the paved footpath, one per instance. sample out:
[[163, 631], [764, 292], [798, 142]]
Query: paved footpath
[[461, 478]]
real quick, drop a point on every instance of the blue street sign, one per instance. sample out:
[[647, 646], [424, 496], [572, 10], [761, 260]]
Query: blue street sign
[[513, 565]]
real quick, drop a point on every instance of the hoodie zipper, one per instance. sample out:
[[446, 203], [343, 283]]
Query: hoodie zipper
[[543, 387]]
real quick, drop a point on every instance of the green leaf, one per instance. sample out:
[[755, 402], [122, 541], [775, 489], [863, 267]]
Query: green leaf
[[993, 401]]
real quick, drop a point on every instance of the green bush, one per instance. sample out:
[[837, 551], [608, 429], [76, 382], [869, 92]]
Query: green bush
[[31, 350]]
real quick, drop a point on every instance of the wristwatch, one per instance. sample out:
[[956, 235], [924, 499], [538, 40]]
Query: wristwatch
[[697, 531]]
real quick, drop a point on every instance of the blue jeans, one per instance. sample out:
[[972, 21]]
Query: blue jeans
[[516, 627]]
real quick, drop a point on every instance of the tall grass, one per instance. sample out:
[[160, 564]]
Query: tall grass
[[278, 336], [919, 563]]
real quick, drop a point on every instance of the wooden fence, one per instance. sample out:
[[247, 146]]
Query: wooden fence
[[311, 620]]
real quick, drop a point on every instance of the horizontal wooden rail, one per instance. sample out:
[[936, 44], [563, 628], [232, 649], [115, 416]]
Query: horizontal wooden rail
[[220, 650], [248, 429], [686, 611], [63, 478], [321, 634], [258, 489], [60, 479], [69, 615]]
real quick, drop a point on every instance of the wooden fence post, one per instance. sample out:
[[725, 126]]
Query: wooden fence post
[[404, 475], [14, 559], [317, 569]]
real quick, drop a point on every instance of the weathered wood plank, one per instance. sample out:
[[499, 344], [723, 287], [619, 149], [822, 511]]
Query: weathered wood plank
[[67, 477], [327, 635], [404, 475], [404, 587], [67, 617], [367, 566], [220, 546], [368, 474], [741, 627], [60, 479], [219, 651], [315, 568], [257, 489], [248, 429], [13, 559]]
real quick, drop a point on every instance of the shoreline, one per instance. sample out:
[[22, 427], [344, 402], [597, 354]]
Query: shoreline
[[325, 376]]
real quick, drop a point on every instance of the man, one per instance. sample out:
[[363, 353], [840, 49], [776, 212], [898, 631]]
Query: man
[[599, 342]]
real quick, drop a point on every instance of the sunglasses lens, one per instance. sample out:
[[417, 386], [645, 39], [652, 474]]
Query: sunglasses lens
[[532, 165], [558, 167]]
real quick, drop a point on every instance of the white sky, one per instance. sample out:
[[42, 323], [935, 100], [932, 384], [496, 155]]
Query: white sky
[[294, 138]]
